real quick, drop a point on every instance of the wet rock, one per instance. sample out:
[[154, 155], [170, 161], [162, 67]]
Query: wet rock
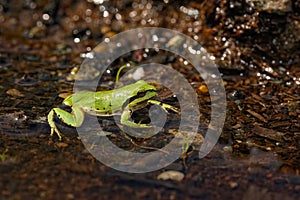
[[171, 175]]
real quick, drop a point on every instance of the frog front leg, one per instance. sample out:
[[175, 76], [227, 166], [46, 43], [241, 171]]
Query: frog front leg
[[75, 119], [164, 106], [126, 114]]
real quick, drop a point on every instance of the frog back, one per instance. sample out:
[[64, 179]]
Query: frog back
[[91, 102]]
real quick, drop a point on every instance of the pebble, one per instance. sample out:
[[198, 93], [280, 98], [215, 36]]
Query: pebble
[[203, 89], [171, 175], [233, 184], [138, 74]]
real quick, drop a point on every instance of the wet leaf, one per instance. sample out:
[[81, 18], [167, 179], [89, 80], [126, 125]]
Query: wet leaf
[[15, 93], [258, 116], [62, 145]]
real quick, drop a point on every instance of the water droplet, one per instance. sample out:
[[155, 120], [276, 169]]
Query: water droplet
[[132, 14], [89, 55], [102, 8], [288, 83], [45, 17], [118, 16], [76, 40], [237, 95], [154, 38], [88, 20], [212, 57], [105, 13]]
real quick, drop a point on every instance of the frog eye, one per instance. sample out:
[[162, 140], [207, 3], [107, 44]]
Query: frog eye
[[141, 93]]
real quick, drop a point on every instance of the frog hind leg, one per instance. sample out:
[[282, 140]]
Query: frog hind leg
[[75, 119]]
